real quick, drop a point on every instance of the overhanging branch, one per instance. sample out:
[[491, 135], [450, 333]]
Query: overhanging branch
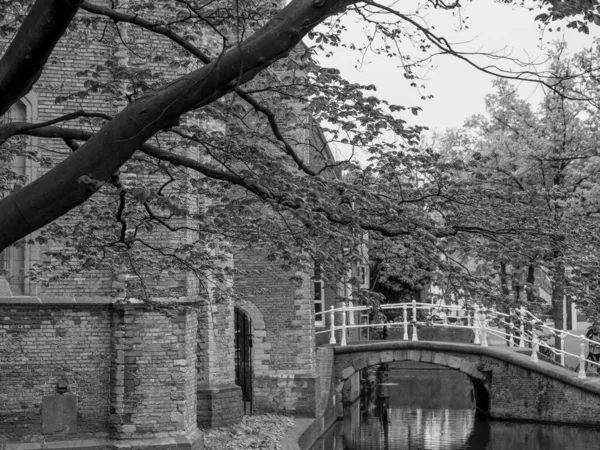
[[22, 63], [60, 189]]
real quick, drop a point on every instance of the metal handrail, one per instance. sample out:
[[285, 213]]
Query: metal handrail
[[520, 324]]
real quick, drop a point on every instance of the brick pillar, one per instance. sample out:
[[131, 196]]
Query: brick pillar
[[219, 398], [153, 377], [291, 383]]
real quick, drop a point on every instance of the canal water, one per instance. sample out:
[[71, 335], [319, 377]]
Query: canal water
[[412, 408]]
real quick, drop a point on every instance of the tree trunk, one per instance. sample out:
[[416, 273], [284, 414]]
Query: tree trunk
[[530, 283], [504, 279], [558, 294], [27, 54]]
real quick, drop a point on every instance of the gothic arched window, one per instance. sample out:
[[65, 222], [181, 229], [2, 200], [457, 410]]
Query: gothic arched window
[[16, 170]]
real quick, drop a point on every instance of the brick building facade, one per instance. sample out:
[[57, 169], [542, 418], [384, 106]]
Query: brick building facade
[[138, 373]]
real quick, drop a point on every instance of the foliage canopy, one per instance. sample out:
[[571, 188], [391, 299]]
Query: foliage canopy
[[175, 101]]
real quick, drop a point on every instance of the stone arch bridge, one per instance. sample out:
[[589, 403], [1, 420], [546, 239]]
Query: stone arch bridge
[[507, 384]]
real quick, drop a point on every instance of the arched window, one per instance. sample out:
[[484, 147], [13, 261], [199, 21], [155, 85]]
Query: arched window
[[16, 169]]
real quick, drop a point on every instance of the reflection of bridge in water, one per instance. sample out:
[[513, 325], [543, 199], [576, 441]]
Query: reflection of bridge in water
[[414, 424], [408, 428]]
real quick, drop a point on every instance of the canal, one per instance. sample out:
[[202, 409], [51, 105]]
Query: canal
[[410, 406]]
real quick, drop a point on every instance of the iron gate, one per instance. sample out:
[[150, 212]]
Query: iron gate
[[243, 357]]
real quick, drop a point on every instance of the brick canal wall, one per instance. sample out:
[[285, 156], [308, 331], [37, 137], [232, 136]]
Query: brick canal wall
[[508, 385], [130, 372]]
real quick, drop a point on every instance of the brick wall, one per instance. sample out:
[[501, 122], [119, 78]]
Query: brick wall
[[42, 343], [219, 398], [215, 342], [284, 353], [154, 368], [131, 367]]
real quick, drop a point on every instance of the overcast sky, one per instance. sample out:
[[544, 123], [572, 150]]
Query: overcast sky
[[459, 89]]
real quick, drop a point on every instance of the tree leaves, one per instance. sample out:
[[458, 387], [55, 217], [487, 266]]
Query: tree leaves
[[254, 168]]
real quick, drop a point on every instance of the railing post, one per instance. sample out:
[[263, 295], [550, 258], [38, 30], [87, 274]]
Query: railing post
[[445, 319], [484, 341], [522, 327], [476, 325], [350, 313], [534, 347], [414, 331], [562, 349], [343, 340], [414, 321], [581, 373], [405, 323], [511, 331], [332, 327], [469, 318]]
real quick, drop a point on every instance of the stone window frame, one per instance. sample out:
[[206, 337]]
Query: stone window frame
[[363, 276], [318, 297], [31, 252]]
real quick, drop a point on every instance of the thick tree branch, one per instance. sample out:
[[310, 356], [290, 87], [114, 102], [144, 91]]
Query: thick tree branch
[[24, 59], [260, 191], [203, 57], [218, 174], [60, 190]]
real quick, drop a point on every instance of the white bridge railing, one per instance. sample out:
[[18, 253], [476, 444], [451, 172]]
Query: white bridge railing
[[520, 326]]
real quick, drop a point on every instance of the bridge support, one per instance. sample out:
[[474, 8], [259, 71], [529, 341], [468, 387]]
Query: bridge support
[[508, 385], [351, 391]]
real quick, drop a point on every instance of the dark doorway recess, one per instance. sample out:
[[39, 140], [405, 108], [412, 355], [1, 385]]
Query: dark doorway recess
[[243, 357]]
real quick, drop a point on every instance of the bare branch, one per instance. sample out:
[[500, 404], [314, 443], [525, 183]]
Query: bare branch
[[143, 23], [13, 128]]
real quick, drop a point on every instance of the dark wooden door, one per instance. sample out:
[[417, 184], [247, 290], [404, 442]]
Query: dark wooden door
[[243, 357]]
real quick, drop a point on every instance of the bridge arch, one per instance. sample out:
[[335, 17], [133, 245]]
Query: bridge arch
[[355, 362], [516, 387]]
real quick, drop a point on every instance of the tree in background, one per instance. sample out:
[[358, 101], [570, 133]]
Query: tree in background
[[216, 110], [535, 171]]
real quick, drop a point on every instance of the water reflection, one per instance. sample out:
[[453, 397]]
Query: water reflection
[[422, 410], [406, 428]]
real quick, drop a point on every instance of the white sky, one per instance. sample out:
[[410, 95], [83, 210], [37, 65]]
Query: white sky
[[459, 89]]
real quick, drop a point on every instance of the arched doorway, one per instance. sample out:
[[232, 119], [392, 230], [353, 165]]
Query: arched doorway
[[243, 357]]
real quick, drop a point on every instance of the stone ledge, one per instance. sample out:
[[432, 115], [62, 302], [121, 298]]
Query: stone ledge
[[192, 441], [219, 388], [91, 300], [54, 300]]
